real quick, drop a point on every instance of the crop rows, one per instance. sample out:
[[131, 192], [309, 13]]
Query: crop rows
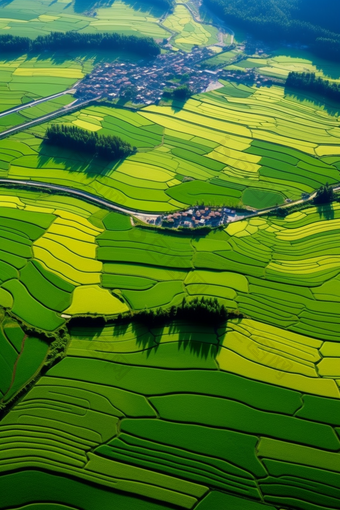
[[156, 413], [21, 356], [24, 79], [283, 62], [284, 273], [44, 17], [234, 159]]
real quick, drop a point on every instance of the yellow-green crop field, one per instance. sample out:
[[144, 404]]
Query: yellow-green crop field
[[24, 79], [234, 146], [190, 32], [40, 17], [102, 405], [184, 415], [283, 61]]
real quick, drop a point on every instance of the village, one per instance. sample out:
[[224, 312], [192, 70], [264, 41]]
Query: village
[[144, 82], [198, 216]]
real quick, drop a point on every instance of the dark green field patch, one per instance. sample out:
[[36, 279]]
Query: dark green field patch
[[116, 221], [43, 290], [199, 160]]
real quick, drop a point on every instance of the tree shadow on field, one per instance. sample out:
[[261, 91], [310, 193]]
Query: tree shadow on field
[[81, 6], [58, 58], [200, 340], [326, 211], [51, 156], [177, 105], [331, 107], [143, 6]]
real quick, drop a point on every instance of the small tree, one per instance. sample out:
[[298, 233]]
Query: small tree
[[324, 195], [182, 93]]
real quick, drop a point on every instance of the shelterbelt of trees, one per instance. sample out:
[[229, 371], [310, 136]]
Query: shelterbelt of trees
[[310, 22], [72, 137], [310, 83], [144, 46]]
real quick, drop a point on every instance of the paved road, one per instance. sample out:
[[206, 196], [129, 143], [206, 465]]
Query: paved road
[[62, 111], [18, 183], [38, 101], [144, 216]]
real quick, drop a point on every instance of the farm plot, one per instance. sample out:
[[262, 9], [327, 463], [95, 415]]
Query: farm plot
[[190, 32], [34, 112], [234, 146], [21, 356], [48, 261], [25, 79], [169, 389], [103, 265], [283, 62], [19, 18]]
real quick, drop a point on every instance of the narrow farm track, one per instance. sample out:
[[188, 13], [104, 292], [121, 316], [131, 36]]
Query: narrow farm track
[[45, 186], [144, 216], [61, 111], [36, 102]]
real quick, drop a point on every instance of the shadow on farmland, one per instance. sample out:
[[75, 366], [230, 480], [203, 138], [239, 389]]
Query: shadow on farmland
[[329, 106], [58, 58], [177, 105], [188, 336], [326, 211], [188, 339], [3, 3], [51, 156], [88, 5], [157, 11]]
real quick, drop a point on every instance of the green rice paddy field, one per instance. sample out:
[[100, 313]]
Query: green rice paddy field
[[282, 61], [234, 146], [42, 16], [240, 415]]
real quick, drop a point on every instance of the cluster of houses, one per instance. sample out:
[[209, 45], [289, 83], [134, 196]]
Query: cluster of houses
[[144, 82], [199, 216]]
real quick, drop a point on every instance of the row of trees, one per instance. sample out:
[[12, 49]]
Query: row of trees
[[324, 195], [202, 310], [55, 41], [72, 137], [310, 83], [313, 23]]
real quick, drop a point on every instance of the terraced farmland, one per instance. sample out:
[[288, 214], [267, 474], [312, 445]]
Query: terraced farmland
[[132, 408], [98, 263], [157, 414], [25, 79], [190, 32], [234, 146], [42, 16], [103, 406], [21, 356], [282, 62]]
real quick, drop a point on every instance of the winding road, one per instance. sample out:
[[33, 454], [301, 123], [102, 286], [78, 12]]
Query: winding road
[[143, 216], [46, 186]]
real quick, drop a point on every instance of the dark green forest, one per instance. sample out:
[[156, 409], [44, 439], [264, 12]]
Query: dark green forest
[[308, 82], [310, 22], [55, 41], [72, 137]]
